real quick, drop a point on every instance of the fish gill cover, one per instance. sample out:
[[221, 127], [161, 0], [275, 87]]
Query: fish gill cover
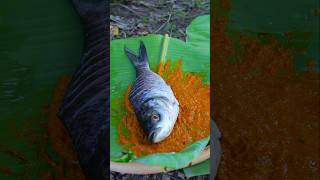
[[195, 56]]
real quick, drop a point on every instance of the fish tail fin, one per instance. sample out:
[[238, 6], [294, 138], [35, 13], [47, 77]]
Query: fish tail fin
[[91, 8], [138, 61]]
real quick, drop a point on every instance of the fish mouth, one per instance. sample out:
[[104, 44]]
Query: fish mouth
[[154, 135]]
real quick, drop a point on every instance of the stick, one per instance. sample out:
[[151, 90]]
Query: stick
[[164, 50], [163, 24]]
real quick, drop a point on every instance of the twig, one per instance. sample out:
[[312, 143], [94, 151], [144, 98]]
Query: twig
[[171, 12], [127, 8], [163, 24]]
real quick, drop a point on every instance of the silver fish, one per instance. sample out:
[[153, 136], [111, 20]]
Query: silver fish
[[153, 101]]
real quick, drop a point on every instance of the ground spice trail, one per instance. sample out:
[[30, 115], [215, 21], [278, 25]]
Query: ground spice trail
[[193, 122]]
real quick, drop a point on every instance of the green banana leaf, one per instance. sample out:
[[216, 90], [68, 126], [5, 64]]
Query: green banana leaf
[[39, 42], [195, 53], [198, 169], [175, 160]]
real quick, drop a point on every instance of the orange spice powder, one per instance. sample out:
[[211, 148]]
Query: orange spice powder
[[193, 122]]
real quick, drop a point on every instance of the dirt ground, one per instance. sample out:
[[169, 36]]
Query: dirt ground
[[143, 17]]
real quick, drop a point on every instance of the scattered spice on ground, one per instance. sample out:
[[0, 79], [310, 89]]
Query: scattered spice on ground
[[268, 114], [193, 122]]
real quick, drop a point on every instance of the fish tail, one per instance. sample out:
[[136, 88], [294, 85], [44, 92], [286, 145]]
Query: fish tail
[[138, 61]]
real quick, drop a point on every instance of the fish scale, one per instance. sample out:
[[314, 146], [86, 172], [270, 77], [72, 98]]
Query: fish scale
[[153, 100], [145, 83]]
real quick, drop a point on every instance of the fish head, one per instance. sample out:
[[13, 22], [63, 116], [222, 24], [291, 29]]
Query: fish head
[[158, 117]]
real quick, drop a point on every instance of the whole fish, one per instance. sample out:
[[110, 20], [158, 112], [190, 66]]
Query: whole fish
[[153, 101], [85, 107]]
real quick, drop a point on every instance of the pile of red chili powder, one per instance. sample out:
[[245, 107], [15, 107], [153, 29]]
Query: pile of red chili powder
[[193, 122], [268, 114]]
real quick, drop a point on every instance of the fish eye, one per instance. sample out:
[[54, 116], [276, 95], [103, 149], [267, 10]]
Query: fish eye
[[155, 117]]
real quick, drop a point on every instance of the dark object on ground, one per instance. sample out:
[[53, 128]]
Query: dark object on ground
[[85, 108]]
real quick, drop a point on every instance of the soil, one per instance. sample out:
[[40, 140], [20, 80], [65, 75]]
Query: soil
[[143, 17], [175, 175]]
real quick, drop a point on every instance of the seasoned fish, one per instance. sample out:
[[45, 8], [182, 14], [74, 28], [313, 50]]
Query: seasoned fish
[[153, 100], [85, 108]]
